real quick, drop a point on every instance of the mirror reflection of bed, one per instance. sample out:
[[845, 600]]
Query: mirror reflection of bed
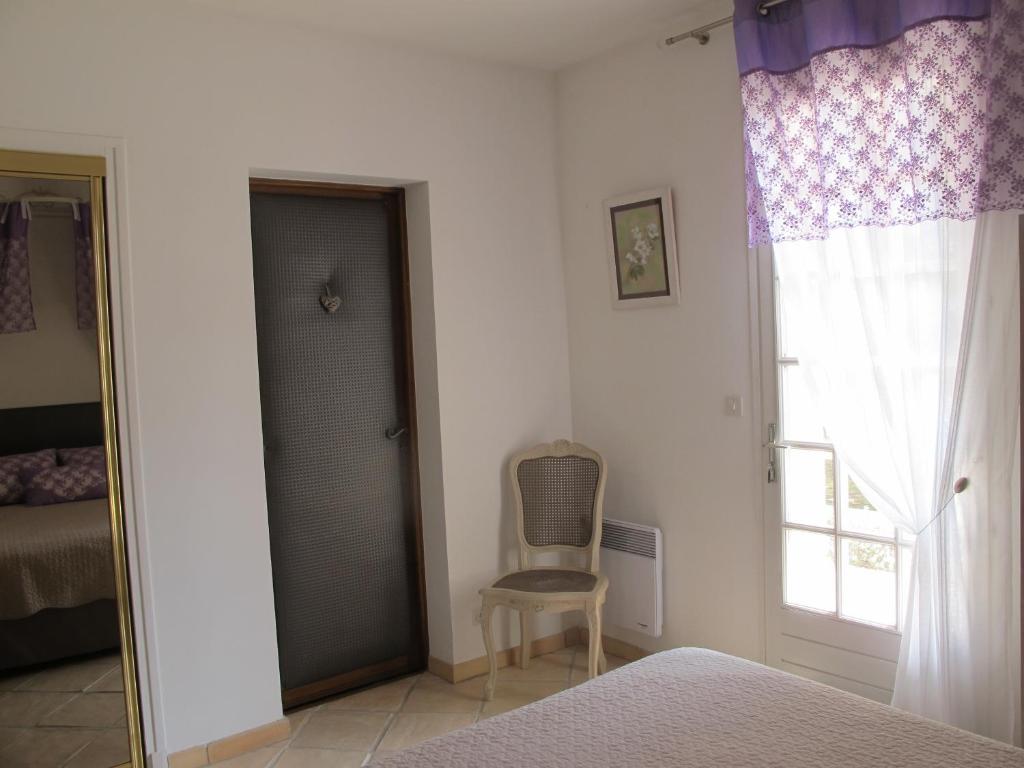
[[61, 689]]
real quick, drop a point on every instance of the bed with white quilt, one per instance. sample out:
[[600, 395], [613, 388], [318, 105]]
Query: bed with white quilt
[[694, 708]]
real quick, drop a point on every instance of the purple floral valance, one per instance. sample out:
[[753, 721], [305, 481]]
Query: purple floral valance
[[927, 123], [786, 37], [16, 313], [85, 269]]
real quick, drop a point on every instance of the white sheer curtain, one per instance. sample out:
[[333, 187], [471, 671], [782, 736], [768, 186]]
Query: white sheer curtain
[[908, 337]]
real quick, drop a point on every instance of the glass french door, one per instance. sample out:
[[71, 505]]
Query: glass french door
[[835, 566]]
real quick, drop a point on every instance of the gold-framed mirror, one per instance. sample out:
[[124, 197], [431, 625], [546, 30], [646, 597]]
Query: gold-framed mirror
[[68, 681]]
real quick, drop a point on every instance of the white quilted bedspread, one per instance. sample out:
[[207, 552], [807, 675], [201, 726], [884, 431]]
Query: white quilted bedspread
[[692, 707]]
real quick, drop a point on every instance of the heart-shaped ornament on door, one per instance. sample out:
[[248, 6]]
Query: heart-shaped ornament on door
[[328, 300]]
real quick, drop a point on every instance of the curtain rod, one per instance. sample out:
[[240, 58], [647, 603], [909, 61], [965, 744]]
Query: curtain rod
[[700, 34], [46, 199], [26, 202]]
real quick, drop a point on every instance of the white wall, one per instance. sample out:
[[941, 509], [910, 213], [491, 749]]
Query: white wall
[[57, 362], [201, 99], [648, 385]]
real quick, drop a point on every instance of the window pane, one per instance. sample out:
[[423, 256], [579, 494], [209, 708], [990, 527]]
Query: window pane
[[869, 582], [858, 514], [799, 420], [809, 481], [788, 324], [810, 570]]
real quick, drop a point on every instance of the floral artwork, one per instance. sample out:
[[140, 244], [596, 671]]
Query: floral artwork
[[643, 257], [644, 243]]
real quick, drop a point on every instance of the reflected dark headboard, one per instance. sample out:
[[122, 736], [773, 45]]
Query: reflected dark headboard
[[50, 426]]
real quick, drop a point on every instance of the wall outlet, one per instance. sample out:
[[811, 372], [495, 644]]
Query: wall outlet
[[734, 405]]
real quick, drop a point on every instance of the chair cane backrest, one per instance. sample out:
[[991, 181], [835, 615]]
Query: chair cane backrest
[[559, 495]]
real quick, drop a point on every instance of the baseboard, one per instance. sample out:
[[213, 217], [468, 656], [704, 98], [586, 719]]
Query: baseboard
[[193, 757], [231, 746], [615, 647], [442, 669], [464, 670]]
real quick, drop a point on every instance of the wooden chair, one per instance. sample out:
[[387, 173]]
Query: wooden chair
[[559, 497]]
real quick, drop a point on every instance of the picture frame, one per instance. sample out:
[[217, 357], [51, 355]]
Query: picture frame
[[641, 238]]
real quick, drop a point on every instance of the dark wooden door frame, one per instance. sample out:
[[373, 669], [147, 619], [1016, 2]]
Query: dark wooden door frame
[[394, 197]]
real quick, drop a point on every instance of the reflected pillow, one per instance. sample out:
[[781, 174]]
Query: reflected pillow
[[12, 490], [56, 485], [92, 456]]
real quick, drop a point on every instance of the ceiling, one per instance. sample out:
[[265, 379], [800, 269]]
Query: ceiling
[[547, 34]]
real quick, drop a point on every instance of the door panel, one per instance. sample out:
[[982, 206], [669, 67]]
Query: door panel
[[340, 485]]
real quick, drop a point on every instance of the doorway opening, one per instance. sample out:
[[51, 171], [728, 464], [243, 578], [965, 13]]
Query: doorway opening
[[331, 280]]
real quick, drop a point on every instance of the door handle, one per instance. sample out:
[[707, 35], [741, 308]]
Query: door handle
[[773, 448], [394, 433]]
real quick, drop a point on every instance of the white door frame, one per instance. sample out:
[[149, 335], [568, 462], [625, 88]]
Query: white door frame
[[113, 149]]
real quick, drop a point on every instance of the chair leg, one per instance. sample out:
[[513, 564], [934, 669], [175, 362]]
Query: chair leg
[[594, 630], [525, 639], [486, 613]]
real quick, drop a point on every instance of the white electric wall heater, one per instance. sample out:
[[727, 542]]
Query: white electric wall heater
[[631, 558]]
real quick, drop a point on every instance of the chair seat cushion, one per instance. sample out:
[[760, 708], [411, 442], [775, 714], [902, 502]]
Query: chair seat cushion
[[548, 580]]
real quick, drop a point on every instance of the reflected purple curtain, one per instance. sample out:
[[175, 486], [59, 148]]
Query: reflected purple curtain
[[16, 313], [85, 269], [879, 112]]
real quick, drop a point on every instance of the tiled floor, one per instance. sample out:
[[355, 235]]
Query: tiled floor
[[352, 730], [72, 715], [69, 715]]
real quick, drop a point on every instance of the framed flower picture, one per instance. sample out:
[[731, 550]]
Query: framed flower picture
[[641, 235]]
